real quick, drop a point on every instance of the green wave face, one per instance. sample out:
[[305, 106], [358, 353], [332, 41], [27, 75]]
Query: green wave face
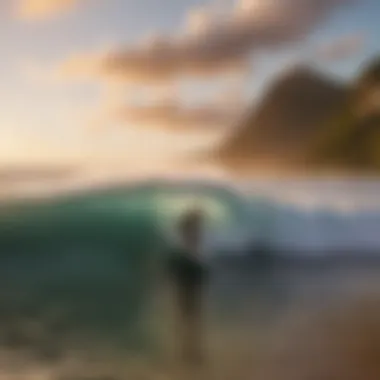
[[86, 258], [92, 257]]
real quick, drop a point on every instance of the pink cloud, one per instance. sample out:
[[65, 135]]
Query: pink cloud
[[42, 9], [210, 45], [174, 116], [342, 48]]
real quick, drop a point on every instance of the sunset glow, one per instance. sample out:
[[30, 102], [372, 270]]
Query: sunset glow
[[111, 88]]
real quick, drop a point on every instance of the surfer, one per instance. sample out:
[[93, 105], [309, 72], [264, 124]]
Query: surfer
[[188, 274]]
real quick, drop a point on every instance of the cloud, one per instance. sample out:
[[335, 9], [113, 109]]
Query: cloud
[[342, 48], [42, 9], [13, 173], [172, 115], [161, 108], [210, 44]]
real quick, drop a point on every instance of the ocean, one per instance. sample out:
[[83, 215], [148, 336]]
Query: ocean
[[80, 294]]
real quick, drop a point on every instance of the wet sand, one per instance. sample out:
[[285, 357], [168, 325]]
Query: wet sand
[[293, 323]]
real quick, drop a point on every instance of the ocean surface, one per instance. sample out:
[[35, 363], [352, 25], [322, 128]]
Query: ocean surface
[[80, 282]]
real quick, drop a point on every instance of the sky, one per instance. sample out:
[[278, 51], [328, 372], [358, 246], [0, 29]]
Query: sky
[[125, 87]]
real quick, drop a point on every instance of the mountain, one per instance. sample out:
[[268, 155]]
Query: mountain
[[281, 130], [351, 140]]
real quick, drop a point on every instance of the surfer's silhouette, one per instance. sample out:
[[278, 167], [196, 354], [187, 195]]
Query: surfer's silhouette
[[188, 275]]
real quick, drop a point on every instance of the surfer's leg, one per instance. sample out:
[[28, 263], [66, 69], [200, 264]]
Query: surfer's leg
[[194, 349]]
